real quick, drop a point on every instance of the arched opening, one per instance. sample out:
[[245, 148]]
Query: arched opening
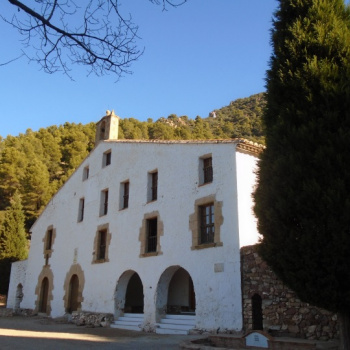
[[257, 314], [175, 293], [73, 297], [73, 288], [19, 296], [134, 295], [44, 293], [181, 296], [129, 294]]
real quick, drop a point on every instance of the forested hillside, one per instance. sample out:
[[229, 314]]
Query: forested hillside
[[37, 163]]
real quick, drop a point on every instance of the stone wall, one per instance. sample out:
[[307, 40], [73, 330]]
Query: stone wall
[[92, 319], [283, 313]]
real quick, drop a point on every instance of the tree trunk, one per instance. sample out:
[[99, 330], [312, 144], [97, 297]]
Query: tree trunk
[[344, 330]]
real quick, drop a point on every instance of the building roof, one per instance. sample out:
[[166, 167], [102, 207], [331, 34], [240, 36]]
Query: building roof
[[243, 145]]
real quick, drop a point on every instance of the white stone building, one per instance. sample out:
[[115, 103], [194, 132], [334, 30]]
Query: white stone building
[[145, 229]]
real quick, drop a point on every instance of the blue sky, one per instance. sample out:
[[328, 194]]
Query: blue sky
[[197, 58]]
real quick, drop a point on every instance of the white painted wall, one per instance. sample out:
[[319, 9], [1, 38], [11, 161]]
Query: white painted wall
[[218, 294], [246, 182], [18, 276]]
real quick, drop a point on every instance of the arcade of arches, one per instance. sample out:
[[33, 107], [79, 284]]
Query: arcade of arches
[[175, 293]]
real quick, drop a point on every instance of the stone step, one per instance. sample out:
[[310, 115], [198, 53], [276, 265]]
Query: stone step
[[129, 315], [130, 328], [176, 324], [181, 317], [129, 321], [171, 331]]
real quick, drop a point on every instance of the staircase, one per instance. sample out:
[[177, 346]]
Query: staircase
[[131, 322], [176, 324]]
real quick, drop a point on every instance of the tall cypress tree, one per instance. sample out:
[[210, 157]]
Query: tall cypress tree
[[303, 196], [13, 242]]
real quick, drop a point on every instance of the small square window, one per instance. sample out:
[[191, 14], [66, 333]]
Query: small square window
[[86, 173], [151, 245], [104, 202], [107, 158]]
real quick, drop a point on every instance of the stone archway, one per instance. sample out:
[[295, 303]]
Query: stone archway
[[73, 287], [129, 297], [73, 297], [44, 295], [43, 291], [175, 293]]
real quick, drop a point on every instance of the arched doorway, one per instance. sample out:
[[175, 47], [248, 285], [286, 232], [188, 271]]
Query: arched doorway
[[181, 296], [74, 286], [19, 296], [175, 293], [257, 314], [129, 294], [73, 298], [44, 293], [134, 295]]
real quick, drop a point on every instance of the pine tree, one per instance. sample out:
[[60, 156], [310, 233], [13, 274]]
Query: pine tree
[[302, 201], [13, 242]]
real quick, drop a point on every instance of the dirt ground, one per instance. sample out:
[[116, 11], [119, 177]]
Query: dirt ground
[[36, 333]]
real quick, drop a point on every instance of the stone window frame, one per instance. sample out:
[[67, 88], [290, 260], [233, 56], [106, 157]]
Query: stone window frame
[[203, 180], [195, 222], [107, 158], [95, 259], [49, 237], [75, 269], [46, 272], [143, 235]]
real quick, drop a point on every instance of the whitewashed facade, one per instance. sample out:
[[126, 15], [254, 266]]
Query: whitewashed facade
[[103, 244]]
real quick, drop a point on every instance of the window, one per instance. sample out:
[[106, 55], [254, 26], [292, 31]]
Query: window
[[151, 235], [81, 209], [125, 186], [104, 203], [86, 173], [107, 157], [152, 186], [102, 240], [151, 230], [49, 239], [207, 170], [205, 223], [101, 244], [207, 228]]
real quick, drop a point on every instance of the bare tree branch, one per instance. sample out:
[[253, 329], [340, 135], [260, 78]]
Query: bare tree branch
[[96, 35]]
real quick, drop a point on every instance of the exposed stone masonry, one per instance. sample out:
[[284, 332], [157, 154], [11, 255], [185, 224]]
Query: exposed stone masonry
[[283, 313]]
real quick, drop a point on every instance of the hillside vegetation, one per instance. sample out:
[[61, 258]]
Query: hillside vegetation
[[37, 163]]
